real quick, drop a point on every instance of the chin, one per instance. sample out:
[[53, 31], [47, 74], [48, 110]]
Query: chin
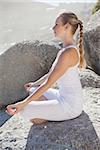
[[59, 38], [54, 34]]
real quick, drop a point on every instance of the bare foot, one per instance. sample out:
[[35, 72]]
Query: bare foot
[[38, 121]]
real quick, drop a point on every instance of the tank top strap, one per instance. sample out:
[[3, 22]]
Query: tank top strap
[[72, 46]]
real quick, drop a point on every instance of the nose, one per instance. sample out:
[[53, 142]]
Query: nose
[[53, 27]]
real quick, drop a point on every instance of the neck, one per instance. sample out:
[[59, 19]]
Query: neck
[[68, 41]]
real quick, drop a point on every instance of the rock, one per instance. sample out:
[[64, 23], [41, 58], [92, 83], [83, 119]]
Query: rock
[[23, 63], [89, 79], [92, 42], [81, 133]]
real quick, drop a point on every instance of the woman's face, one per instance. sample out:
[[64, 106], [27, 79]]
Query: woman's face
[[59, 29]]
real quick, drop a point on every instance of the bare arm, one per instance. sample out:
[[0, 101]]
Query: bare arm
[[41, 80], [67, 59]]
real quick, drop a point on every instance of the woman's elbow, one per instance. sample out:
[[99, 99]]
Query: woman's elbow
[[46, 83], [49, 82]]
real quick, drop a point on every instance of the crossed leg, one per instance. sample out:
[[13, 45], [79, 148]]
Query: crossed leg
[[38, 120], [51, 94]]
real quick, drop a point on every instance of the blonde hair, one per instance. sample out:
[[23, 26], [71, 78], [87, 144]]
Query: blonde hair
[[81, 47], [72, 19]]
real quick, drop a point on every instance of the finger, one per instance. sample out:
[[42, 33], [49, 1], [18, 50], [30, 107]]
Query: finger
[[26, 85], [13, 111], [27, 88], [16, 111], [11, 107], [9, 113]]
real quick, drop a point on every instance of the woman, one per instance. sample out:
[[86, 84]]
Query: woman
[[45, 103]]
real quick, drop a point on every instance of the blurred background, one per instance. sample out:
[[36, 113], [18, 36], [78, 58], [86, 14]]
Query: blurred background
[[22, 20]]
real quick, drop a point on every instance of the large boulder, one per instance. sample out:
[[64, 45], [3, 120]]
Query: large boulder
[[89, 78], [22, 63], [92, 42]]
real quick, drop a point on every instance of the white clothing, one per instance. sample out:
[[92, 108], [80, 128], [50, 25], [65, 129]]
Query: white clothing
[[64, 103]]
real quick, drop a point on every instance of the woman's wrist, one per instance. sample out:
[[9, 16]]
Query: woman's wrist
[[27, 100], [24, 102]]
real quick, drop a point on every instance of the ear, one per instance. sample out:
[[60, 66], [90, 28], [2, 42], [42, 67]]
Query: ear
[[67, 25]]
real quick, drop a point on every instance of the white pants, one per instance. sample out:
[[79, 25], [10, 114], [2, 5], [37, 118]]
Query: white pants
[[50, 109]]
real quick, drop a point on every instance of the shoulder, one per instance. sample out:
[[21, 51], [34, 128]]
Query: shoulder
[[69, 51], [70, 55]]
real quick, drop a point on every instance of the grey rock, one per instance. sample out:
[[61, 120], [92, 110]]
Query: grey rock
[[92, 42], [89, 78], [23, 63], [76, 134]]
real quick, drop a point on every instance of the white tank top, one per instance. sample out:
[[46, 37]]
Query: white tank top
[[70, 88], [71, 77]]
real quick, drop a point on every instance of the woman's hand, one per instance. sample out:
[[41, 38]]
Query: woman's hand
[[15, 108], [27, 86]]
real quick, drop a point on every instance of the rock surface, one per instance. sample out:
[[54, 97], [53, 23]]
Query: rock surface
[[23, 63], [92, 42], [81, 133], [89, 79]]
